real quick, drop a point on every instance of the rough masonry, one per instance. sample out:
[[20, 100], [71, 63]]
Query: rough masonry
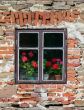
[[31, 14]]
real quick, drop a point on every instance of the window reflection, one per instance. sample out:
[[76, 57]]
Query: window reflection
[[28, 40], [53, 39]]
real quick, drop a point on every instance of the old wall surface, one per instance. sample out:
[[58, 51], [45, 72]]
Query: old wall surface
[[11, 17]]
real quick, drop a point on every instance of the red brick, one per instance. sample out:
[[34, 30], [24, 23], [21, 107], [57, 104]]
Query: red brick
[[11, 83], [52, 18], [53, 85], [29, 100], [16, 14], [36, 16], [23, 86], [71, 75], [52, 94], [11, 37], [7, 19], [13, 100], [71, 78], [71, 71], [17, 21], [70, 98], [65, 102], [1, 56], [24, 105], [1, 100], [45, 86], [12, 17], [50, 98], [1, 83], [73, 65], [72, 86], [30, 86], [70, 16], [6, 52], [73, 56], [46, 18], [5, 100], [8, 56], [60, 99], [52, 90], [55, 90], [71, 40], [7, 48], [68, 108], [29, 18], [37, 86], [60, 86], [6, 13], [21, 19], [67, 94], [73, 51], [72, 43]]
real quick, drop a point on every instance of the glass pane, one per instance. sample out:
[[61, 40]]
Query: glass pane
[[28, 40], [28, 64], [52, 64], [53, 39]]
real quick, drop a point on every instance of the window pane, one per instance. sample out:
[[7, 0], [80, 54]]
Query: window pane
[[53, 39], [28, 64], [28, 40], [52, 64]]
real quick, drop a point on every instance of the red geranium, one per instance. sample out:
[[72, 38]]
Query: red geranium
[[24, 59], [34, 64], [61, 62], [58, 60], [23, 53], [54, 60], [31, 54], [55, 66], [48, 64]]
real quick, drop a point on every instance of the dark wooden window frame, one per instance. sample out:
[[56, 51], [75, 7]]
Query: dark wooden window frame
[[40, 50]]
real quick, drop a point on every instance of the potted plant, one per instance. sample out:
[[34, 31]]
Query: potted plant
[[28, 65], [53, 67]]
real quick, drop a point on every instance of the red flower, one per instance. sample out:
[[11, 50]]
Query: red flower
[[24, 59], [55, 66], [34, 64], [54, 60], [61, 62], [31, 54], [23, 53], [48, 64], [58, 60]]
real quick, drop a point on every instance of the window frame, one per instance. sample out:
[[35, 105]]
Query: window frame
[[40, 56]]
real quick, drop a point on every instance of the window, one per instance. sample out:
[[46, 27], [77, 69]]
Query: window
[[40, 56]]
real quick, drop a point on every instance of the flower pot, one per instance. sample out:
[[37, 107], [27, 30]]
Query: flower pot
[[46, 76], [31, 78], [57, 77]]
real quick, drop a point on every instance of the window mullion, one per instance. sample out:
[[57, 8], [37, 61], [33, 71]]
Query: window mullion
[[27, 48], [52, 48], [40, 56]]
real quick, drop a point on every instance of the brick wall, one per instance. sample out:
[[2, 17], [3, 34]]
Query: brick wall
[[24, 94]]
